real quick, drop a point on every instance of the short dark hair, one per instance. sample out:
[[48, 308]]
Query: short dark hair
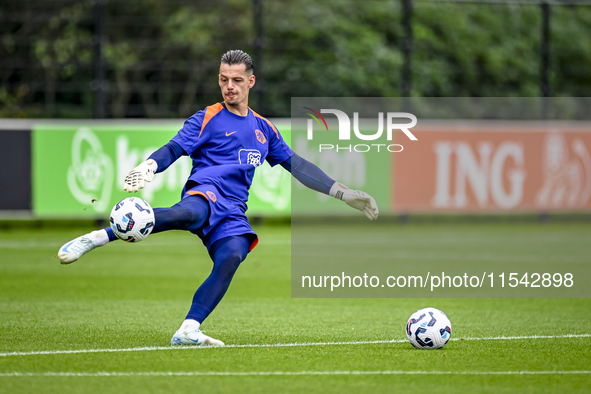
[[236, 56]]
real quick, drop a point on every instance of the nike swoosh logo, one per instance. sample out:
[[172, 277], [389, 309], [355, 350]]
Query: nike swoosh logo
[[229, 134], [65, 249]]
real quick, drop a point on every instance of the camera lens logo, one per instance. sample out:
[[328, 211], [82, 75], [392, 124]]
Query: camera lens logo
[[315, 116]]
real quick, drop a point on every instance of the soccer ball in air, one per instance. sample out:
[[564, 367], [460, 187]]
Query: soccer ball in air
[[428, 328], [132, 219]]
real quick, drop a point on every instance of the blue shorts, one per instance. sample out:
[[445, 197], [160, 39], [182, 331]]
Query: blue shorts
[[226, 218]]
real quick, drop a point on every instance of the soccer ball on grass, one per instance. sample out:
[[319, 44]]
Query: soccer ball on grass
[[428, 328], [132, 219]]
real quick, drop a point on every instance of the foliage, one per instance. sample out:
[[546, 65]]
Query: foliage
[[161, 57]]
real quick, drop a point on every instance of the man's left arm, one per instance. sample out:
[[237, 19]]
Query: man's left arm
[[314, 178]]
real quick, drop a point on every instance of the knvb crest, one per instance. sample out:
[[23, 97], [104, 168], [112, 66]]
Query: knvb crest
[[260, 136]]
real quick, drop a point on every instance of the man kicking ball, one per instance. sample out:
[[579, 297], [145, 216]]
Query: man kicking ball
[[226, 142]]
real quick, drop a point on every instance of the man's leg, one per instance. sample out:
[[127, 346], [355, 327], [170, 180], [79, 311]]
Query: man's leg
[[77, 247], [189, 214], [227, 254]]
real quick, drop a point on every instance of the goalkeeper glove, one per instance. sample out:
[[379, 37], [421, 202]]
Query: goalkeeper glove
[[356, 199], [136, 179]]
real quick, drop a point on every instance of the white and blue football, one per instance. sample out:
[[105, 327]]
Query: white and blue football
[[132, 219], [428, 328]]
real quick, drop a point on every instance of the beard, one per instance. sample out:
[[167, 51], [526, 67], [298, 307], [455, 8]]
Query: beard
[[233, 102]]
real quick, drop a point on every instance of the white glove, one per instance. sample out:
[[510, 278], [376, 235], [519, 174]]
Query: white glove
[[136, 179], [356, 199]]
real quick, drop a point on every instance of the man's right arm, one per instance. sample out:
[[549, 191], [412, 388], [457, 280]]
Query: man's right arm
[[167, 155], [157, 162]]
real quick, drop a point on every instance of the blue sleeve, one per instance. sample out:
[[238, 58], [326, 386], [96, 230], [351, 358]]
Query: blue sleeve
[[167, 155], [308, 174], [279, 151], [189, 137]]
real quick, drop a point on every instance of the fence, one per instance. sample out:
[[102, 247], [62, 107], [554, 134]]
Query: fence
[[158, 59]]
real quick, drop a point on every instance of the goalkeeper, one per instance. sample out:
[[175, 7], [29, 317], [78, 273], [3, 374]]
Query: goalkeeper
[[226, 142]]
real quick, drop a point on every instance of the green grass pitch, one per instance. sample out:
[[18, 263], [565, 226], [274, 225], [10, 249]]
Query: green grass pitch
[[133, 297]]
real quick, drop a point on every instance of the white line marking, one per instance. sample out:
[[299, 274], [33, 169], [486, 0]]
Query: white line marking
[[283, 373], [140, 349]]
